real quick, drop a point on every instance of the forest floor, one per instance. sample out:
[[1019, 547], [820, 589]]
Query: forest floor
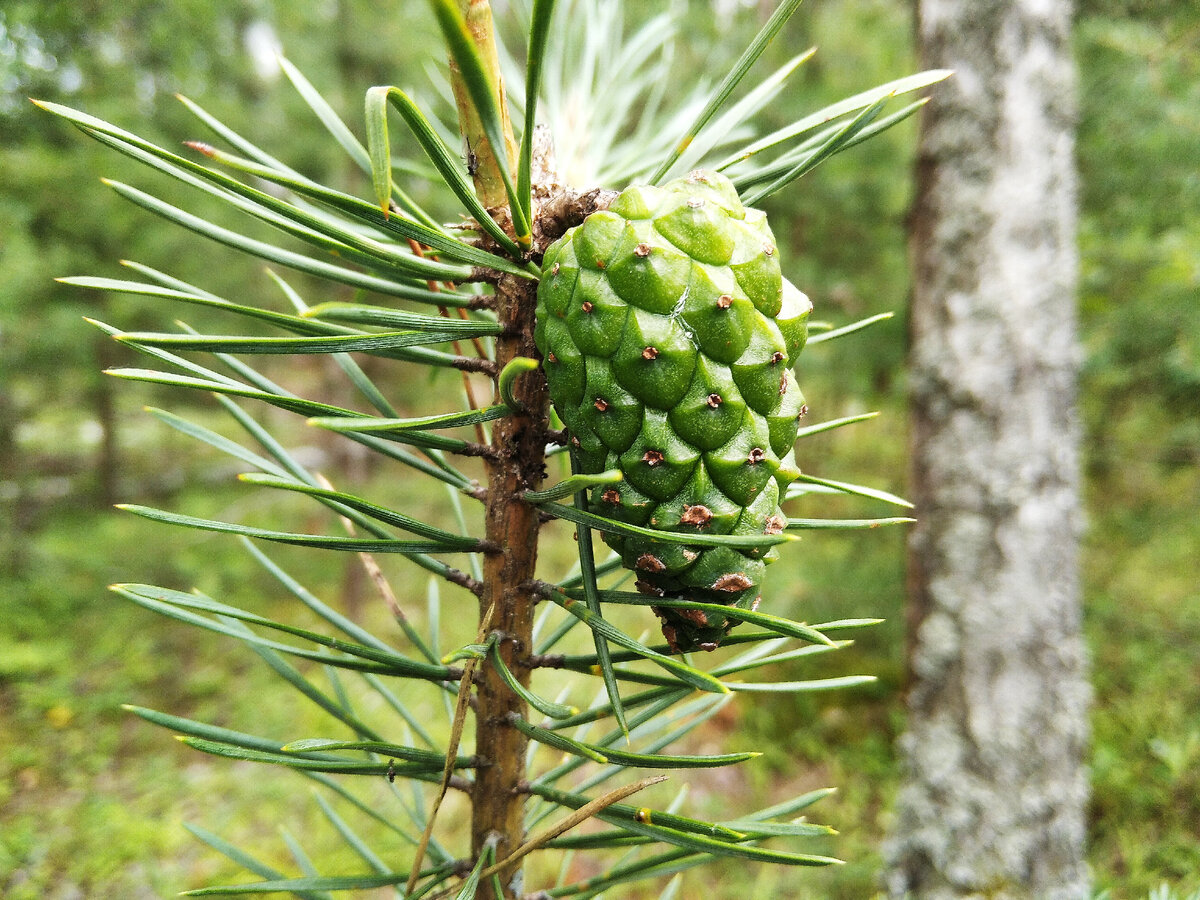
[[92, 799]]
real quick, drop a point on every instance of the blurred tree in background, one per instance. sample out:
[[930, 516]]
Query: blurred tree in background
[[127, 61], [994, 789]]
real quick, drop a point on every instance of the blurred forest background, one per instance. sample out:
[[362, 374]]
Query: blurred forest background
[[91, 799]]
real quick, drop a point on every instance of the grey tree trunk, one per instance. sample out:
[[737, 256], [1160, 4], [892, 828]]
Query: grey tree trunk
[[994, 793]]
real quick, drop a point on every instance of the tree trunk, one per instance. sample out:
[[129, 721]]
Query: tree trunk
[[994, 793]]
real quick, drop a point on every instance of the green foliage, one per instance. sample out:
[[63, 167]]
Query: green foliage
[[1140, 387], [1140, 245], [398, 251]]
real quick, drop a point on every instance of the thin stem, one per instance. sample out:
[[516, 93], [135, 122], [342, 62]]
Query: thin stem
[[517, 464]]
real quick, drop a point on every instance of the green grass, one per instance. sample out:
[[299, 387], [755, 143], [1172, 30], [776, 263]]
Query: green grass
[[1144, 629]]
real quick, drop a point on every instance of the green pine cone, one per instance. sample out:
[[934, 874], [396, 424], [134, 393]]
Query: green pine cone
[[668, 333]]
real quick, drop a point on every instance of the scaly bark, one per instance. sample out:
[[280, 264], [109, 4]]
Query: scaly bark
[[994, 795], [518, 465]]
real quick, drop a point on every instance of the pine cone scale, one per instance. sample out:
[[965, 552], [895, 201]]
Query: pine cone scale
[[668, 334]]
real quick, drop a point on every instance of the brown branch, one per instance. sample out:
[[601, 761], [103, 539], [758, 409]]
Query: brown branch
[[543, 588], [475, 364], [463, 580], [577, 817], [480, 275], [518, 464], [486, 451], [546, 661]]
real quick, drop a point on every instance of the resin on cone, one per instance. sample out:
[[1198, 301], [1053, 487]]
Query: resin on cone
[[668, 334]]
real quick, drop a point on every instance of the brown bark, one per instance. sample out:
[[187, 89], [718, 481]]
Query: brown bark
[[994, 793], [518, 465]]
